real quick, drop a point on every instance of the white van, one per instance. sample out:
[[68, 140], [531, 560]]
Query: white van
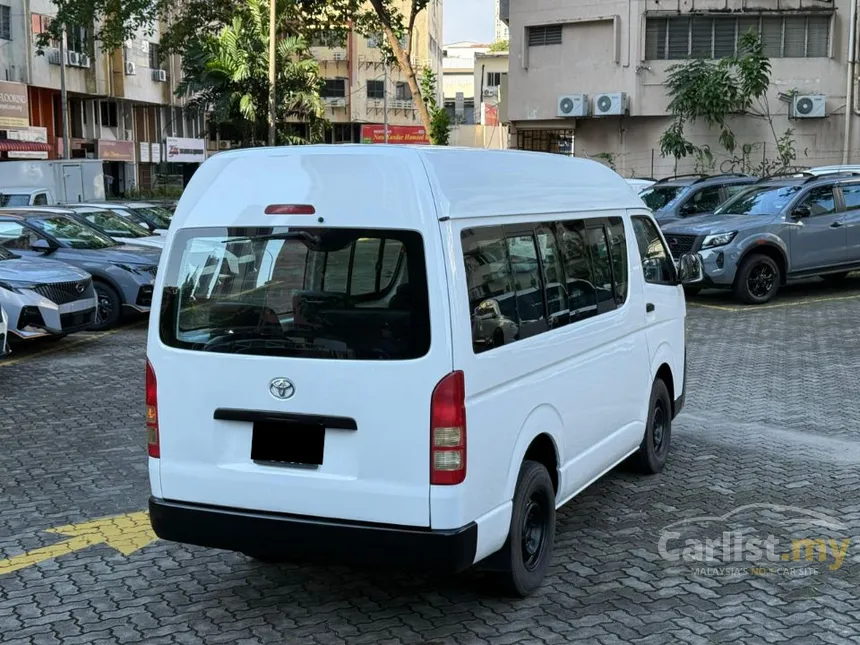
[[336, 393]]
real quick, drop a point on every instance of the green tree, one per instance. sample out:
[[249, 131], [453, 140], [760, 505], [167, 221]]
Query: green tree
[[714, 92], [499, 46], [189, 22], [227, 73], [440, 122]]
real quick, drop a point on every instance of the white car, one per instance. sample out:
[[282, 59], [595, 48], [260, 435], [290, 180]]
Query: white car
[[332, 395], [4, 332]]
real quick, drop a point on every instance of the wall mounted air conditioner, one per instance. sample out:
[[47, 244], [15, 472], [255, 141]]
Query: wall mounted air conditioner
[[144, 46], [572, 105], [613, 104], [159, 75], [129, 44], [130, 69], [491, 91], [339, 56], [53, 56], [809, 106], [224, 145], [84, 61], [74, 59], [336, 102]]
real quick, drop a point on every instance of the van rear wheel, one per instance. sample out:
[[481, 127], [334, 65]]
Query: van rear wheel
[[654, 449], [528, 550]]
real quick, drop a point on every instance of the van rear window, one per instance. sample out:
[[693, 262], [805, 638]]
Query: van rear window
[[350, 294]]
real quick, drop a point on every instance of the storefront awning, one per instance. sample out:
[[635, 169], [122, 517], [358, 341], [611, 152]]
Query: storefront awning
[[13, 145]]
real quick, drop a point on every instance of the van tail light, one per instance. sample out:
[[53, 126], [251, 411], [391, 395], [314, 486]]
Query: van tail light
[[290, 209], [448, 431], [152, 413]]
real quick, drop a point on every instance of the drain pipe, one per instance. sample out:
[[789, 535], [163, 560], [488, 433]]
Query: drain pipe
[[850, 107]]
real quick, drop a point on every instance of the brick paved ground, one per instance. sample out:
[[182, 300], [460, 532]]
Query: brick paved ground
[[772, 418]]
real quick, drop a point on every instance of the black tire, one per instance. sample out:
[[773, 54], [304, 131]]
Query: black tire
[[108, 307], [834, 278], [523, 564], [691, 292], [758, 279], [654, 449]]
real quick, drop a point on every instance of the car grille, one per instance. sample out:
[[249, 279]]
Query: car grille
[[77, 319], [680, 244], [63, 292]]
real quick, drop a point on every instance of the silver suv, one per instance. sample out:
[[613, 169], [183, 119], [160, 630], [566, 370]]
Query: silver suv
[[778, 229], [685, 196]]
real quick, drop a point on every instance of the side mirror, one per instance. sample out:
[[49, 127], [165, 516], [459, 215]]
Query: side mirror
[[690, 269], [800, 212], [42, 246]]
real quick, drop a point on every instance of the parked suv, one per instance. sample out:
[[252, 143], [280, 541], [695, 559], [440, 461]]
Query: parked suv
[[778, 229], [684, 196]]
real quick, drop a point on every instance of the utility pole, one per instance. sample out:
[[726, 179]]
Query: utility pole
[[64, 98], [272, 52], [385, 102]]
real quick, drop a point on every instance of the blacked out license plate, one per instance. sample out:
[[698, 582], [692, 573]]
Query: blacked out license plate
[[288, 443]]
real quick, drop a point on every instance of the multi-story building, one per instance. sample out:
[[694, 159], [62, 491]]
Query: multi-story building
[[458, 67], [360, 87], [121, 104], [501, 29], [589, 78]]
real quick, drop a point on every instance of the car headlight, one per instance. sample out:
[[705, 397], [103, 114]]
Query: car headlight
[[718, 239], [17, 285]]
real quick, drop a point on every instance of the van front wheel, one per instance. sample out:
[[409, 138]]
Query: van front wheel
[[528, 549]]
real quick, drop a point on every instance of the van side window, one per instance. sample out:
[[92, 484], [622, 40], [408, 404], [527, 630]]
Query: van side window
[[527, 285], [557, 300], [601, 263], [490, 284], [40, 200], [657, 265], [618, 247], [577, 268]]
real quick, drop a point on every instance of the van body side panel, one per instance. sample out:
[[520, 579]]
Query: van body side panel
[[375, 472], [581, 384]]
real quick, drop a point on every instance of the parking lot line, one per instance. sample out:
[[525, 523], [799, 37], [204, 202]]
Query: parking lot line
[[71, 343], [784, 305]]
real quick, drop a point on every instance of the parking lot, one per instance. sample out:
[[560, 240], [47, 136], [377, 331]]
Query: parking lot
[[771, 421]]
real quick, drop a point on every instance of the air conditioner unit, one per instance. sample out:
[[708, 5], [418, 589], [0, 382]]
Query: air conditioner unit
[[339, 56], [336, 102], [129, 44], [75, 59], [144, 46], [159, 75], [572, 105], [54, 56], [809, 106], [613, 104], [491, 91], [84, 61], [130, 69], [224, 145]]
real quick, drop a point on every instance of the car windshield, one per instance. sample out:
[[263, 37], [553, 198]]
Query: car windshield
[[71, 233], [158, 216], [8, 201], [321, 293], [6, 255], [657, 197], [114, 225], [759, 200]]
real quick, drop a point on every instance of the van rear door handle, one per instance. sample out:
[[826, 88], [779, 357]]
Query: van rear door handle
[[649, 307]]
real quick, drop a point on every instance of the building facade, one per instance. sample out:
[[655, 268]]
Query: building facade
[[590, 78], [360, 88], [121, 104], [458, 66], [501, 29]]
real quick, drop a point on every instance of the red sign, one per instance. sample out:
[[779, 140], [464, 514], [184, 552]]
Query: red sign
[[396, 134], [491, 114], [116, 150]]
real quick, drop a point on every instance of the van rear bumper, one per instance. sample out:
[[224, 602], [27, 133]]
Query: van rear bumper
[[303, 538]]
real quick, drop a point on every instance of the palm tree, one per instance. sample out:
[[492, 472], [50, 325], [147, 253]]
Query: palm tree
[[227, 74]]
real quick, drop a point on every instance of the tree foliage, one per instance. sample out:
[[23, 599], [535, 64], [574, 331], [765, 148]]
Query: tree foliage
[[500, 46], [440, 122], [713, 93], [191, 23], [227, 73]]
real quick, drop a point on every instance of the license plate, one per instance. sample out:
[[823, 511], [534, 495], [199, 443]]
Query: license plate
[[288, 443]]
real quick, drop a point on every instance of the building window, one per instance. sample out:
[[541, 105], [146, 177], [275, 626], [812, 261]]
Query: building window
[[5, 22], [76, 38], [376, 89], [702, 36], [334, 88], [554, 141], [494, 79], [544, 35], [402, 91], [109, 114], [154, 56]]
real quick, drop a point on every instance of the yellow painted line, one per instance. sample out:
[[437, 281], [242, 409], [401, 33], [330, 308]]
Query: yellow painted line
[[63, 345], [125, 533], [784, 305]]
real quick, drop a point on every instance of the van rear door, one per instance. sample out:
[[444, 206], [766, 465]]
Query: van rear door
[[295, 370]]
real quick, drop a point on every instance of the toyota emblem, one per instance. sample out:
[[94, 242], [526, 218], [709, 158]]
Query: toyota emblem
[[282, 388]]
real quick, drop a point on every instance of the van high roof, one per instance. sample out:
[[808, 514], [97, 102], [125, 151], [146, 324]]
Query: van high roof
[[393, 180]]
